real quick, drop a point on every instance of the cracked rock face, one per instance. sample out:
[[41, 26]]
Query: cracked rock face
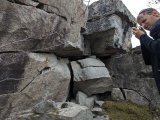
[[129, 73], [33, 77], [32, 30], [91, 76], [26, 27]]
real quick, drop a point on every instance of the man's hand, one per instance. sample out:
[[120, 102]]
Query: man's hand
[[137, 32]]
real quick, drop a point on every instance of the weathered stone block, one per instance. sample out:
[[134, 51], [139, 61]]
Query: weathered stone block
[[109, 27], [92, 77], [108, 7]]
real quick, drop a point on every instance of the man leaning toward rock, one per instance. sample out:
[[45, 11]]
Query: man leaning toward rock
[[149, 19]]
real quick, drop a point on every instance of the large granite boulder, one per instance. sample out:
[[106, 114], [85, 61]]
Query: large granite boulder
[[49, 72], [27, 27], [109, 27], [33, 77], [133, 77], [91, 76]]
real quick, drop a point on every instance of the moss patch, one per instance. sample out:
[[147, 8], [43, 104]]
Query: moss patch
[[127, 111]]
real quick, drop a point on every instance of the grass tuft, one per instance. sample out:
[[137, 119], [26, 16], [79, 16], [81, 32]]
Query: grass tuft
[[127, 111]]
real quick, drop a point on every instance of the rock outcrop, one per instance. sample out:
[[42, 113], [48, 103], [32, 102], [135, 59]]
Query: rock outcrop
[[53, 52]]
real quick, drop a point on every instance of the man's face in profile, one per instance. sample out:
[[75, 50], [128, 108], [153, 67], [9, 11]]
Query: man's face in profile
[[147, 20]]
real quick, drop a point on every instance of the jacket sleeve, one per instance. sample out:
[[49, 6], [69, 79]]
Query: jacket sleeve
[[146, 55], [153, 46]]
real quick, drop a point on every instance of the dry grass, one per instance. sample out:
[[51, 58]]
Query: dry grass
[[127, 111]]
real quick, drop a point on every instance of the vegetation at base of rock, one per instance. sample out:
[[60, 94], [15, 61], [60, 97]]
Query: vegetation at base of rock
[[127, 111]]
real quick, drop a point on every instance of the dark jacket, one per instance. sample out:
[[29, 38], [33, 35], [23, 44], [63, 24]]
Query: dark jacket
[[151, 51]]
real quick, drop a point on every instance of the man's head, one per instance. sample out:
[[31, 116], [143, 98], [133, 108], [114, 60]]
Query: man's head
[[147, 17]]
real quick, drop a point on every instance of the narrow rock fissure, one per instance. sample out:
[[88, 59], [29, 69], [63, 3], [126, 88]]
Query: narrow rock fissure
[[79, 64], [17, 2], [123, 93], [141, 94], [29, 83], [3, 52], [39, 6], [71, 93]]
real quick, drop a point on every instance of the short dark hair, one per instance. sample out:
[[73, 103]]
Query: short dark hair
[[147, 11]]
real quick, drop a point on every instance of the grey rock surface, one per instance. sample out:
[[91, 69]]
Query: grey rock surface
[[91, 77], [44, 107], [109, 7], [136, 97], [128, 71], [117, 94], [84, 100], [109, 27], [29, 28], [70, 112], [12, 67]]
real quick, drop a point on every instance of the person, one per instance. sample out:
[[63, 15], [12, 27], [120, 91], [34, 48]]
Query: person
[[149, 19]]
